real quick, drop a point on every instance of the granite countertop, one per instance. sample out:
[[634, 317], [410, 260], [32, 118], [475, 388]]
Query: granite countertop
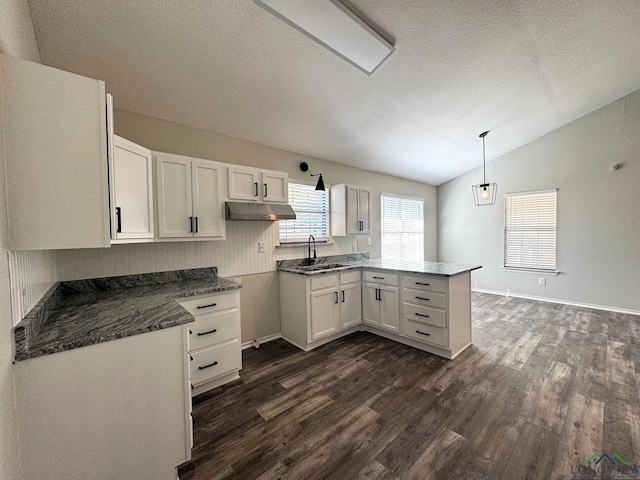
[[85, 312], [345, 264]]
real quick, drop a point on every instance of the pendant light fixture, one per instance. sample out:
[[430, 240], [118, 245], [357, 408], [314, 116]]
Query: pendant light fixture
[[320, 185], [484, 193]]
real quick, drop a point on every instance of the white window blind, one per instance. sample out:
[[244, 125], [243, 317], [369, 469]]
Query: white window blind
[[402, 228], [530, 230], [312, 214]]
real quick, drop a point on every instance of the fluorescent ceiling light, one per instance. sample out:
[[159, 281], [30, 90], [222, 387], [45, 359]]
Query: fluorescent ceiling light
[[336, 28]]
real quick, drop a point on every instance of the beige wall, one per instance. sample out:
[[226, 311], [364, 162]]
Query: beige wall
[[598, 236], [17, 38]]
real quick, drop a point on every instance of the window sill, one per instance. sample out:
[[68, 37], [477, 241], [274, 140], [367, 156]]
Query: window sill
[[304, 244], [532, 270]]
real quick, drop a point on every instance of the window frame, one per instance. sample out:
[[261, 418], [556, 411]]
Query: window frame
[[301, 242], [382, 229], [530, 268]]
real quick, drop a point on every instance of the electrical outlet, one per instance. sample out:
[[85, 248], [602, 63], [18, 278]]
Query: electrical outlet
[[368, 240], [542, 281], [261, 247]]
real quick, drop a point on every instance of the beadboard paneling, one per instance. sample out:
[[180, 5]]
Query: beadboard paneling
[[32, 273], [235, 256]]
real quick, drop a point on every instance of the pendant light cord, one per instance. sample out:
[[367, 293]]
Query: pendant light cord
[[484, 159]]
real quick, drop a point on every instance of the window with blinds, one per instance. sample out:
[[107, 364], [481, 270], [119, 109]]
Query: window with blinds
[[530, 230], [402, 228], [312, 214]]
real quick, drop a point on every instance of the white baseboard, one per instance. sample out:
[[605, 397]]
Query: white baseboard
[[555, 300], [260, 341]]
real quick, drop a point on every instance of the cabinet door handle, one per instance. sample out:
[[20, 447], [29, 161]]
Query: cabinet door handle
[[256, 185], [422, 298], [379, 278], [190, 358], [207, 366], [376, 294], [342, 296], [206, 306], [336, 294], [196, 220], [420, 283], [361, 224], [190, 332], [192, 387], [380, 294], [207, 333], [421, 315], [422, 333], [265, 190], [119, 220], [190, 224]]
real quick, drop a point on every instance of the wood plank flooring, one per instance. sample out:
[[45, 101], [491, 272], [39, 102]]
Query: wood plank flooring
[[543, 388]]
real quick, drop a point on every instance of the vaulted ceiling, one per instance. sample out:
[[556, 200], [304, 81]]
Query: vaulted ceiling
[[517, 68]]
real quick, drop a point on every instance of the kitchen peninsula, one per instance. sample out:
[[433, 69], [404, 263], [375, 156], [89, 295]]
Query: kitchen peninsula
[[425, 305]]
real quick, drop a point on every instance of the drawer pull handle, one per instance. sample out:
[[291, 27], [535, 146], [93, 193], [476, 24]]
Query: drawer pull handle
[[418, 314], [420, 283], [210, 331], [206, 306], [379, 278], [422, 298], [422, 333], [207, 366]]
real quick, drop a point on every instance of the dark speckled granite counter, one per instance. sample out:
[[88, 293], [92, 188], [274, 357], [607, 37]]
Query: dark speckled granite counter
[[85, 312], [346, 263]]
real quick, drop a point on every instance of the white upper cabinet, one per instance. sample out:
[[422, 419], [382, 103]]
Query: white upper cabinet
[[350, 210], [53, 129], [189, 197], [255, 185], [130, 172]]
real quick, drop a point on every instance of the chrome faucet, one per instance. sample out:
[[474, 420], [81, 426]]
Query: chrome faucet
[[309, 261]]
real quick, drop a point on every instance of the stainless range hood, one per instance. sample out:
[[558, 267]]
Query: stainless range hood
[[258, 211]]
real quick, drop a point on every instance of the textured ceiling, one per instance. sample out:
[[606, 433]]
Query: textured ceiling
[[517, 68]]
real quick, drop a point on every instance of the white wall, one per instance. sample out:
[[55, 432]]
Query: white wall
[[17, 38], [598, 237]]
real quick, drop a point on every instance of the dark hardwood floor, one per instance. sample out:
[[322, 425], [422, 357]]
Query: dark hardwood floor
[[543, 388]]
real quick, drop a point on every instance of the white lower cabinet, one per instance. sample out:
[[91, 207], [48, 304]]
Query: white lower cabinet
[[117, 409], [381, 304], [215, 355], [317, 309], [432, 313]]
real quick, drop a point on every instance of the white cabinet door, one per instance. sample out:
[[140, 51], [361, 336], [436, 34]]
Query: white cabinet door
[[53, 126], [324, 313], [244, 184], [350, 305], [173, 183], [370, 304], [364, 210], [208, 207], [389, 308], [132, 195], [353, 202], [275, 187]]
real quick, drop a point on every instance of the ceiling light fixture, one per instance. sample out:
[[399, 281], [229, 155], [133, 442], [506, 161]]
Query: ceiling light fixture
[[484, 193], [305, 168], [336, 28]]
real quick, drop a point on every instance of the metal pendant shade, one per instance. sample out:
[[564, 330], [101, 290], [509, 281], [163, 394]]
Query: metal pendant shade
[[484, 193]]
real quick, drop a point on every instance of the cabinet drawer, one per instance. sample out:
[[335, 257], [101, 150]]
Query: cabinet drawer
[[215, 361], [426, 315], [422, 297], [423, 282], [210, 303], [380, 277], [208, 330], [324, 281], [349, 277], [426, 333]]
